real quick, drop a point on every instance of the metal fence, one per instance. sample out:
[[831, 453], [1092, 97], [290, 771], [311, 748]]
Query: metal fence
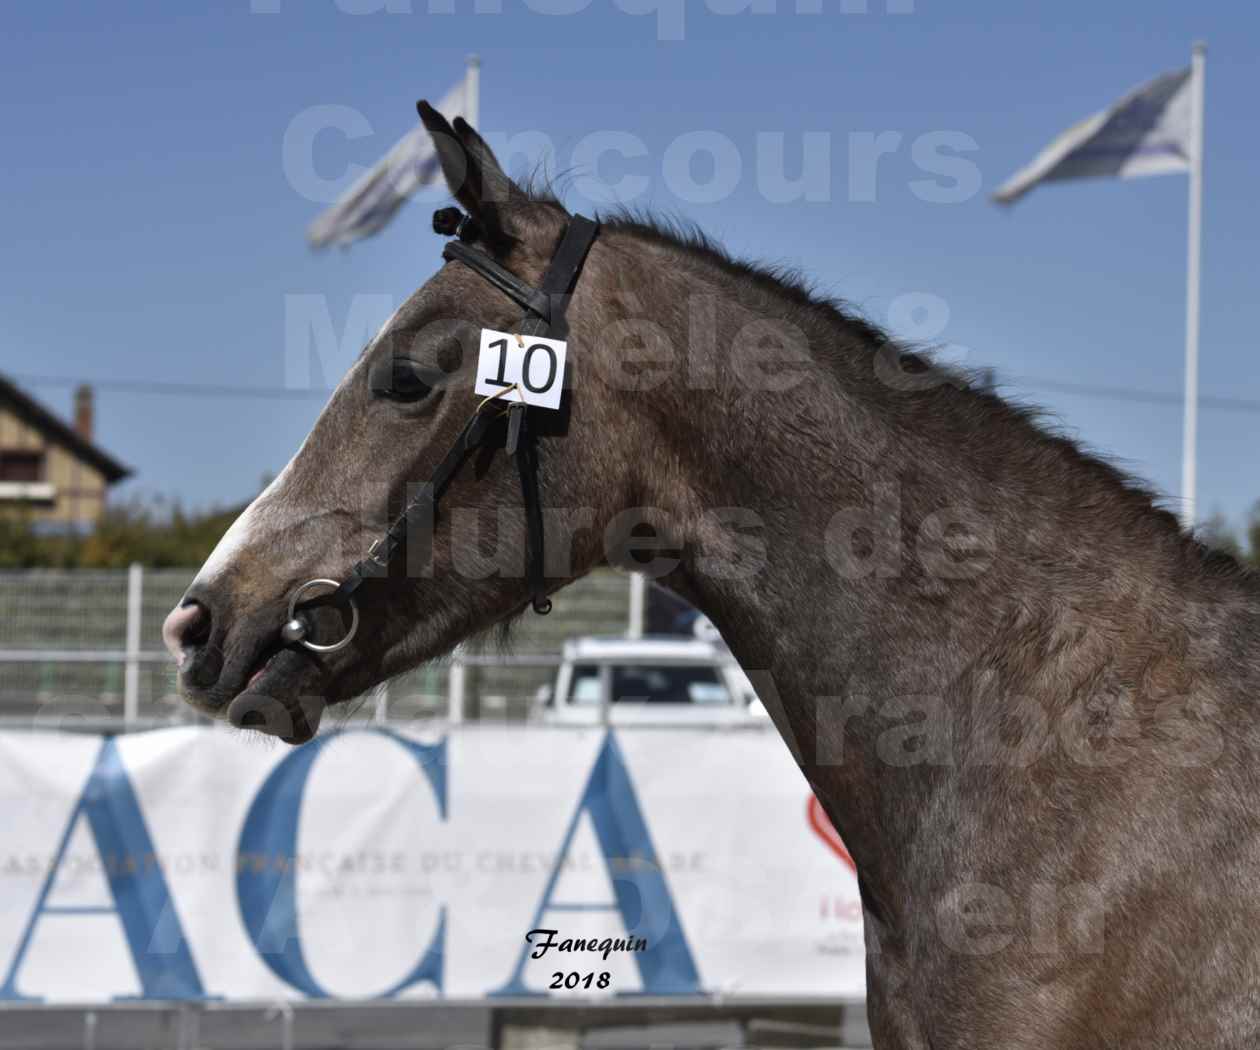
[[643, 1023], [82, 649]]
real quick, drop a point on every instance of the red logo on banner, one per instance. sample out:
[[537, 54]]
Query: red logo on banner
[[819, 821]]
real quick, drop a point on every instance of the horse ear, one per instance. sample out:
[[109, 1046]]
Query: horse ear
[[473, 173]]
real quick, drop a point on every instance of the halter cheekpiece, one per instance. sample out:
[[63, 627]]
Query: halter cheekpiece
[[544, 308]]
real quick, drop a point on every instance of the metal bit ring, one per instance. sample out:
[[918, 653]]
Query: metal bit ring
[[297, 628]]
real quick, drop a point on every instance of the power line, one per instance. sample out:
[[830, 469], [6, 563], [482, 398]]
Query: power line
[[1150, 397], [173, 389], [161, 387]]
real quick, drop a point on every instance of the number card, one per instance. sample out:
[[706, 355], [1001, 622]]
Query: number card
[[529, 367]]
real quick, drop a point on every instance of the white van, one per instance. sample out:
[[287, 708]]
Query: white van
[[649, 681]]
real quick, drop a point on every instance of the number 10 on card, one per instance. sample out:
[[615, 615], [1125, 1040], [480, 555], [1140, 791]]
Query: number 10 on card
[[532, 365]]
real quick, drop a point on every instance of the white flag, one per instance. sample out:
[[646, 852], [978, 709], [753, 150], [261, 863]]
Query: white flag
[[1148, 132], [374, 199]]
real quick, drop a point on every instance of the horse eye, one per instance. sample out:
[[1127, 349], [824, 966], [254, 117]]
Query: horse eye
[[402, 379]]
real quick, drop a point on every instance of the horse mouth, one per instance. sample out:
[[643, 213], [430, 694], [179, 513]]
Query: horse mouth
[[273, 701]]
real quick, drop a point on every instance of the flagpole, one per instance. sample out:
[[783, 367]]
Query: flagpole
[[1190, 420], [472, 92]]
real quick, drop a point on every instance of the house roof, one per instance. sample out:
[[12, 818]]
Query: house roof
[[61, 431]]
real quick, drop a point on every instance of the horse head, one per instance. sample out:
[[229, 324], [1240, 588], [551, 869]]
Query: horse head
[[386, 428]]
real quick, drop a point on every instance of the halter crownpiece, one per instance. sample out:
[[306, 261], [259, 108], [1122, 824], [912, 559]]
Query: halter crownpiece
[[544, 316]]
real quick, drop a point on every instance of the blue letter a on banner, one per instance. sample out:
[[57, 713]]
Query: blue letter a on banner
[[142, 901], [639, 886]]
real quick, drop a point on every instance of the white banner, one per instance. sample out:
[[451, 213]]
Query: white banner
[[191, 863]]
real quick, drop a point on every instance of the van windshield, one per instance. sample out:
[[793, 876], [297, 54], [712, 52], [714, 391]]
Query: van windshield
[[645, 684]]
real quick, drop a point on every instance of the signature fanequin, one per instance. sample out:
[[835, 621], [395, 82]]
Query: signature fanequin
[[606, 946], [549, 940]]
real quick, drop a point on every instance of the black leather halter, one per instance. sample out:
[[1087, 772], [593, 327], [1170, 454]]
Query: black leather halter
[[544, 316]]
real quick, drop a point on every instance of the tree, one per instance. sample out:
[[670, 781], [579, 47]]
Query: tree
[[1216, 533], [131, 532]]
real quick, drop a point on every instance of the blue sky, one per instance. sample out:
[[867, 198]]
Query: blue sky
[[152, 233]]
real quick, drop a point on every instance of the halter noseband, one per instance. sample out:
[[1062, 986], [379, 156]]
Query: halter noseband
[[544, 316]]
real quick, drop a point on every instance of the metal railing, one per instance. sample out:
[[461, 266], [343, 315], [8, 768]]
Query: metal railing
[[81, 649], [684, 1023]]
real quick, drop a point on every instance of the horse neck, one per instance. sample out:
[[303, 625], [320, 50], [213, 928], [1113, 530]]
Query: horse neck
[[844, 591]]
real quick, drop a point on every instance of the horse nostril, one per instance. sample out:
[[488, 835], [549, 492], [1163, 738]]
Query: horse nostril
[[198, 632], [187, 627]]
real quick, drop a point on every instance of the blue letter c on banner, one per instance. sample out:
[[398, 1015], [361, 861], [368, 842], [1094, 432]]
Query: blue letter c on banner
[[266, 866]]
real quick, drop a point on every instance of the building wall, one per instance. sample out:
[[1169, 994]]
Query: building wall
[[80, 487]]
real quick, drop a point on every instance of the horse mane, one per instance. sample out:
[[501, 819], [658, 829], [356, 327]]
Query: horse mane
[[959, 394]]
